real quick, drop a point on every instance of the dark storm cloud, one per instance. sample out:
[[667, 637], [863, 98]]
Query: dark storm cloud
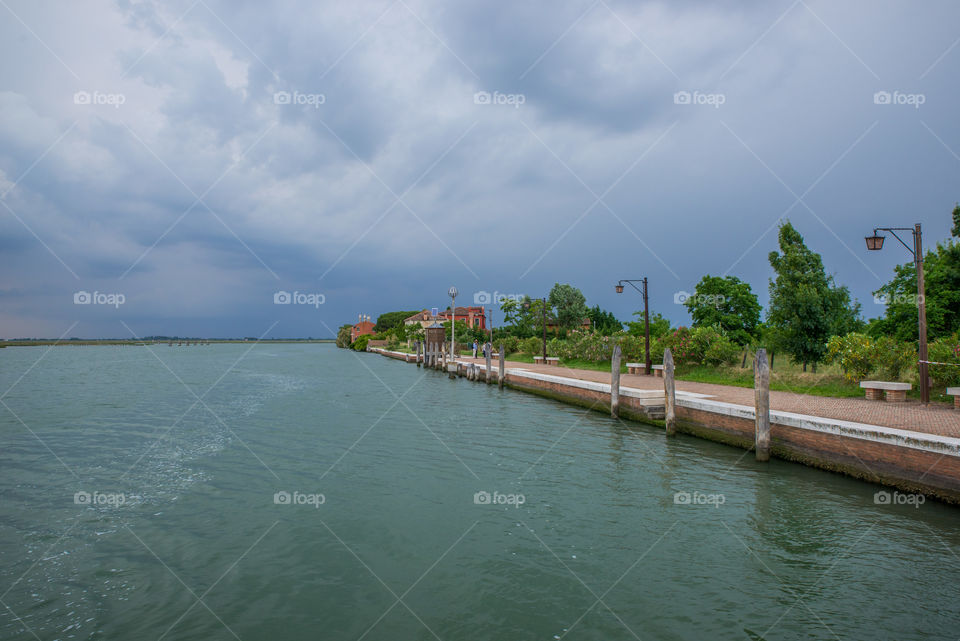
[[324, 147]]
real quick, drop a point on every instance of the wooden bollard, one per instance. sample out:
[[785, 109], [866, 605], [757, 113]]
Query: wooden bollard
[[418, 353], [489, 378], [761, 379], [615, 382], [670, 393], [500, 373]]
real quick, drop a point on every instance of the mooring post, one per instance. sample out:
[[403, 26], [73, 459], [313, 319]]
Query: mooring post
[[500, 373], [761, 377], [418, 353], [489, 363], [615, 382], [670, 393]]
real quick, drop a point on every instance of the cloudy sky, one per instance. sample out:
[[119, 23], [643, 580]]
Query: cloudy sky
[[187, 160]]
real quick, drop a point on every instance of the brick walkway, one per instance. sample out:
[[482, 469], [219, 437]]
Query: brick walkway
[[936, 418]]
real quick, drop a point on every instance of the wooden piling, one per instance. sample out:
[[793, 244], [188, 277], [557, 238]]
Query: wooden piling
[[489, 378], [761, 379], [500, 373], [418, 353], [670, 393], [615, 382]]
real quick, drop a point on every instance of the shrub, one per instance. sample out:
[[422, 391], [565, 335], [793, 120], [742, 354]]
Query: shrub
[[360, 344], [510, 344], [894, 360], [532, 345], [945, 350], [721, 351], [855, 353], [680, 343]]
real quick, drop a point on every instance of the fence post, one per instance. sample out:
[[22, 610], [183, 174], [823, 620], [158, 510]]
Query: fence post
[[500, 373], [670, 393], [615, 382], [761, 377]]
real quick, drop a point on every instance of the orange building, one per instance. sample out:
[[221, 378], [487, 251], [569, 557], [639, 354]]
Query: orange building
[[362, 328], [471, 316]]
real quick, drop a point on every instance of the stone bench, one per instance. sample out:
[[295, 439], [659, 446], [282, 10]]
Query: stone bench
[[553, 360], [657, 370], [955, 393], [894, 392], [538, 360], [636, 368]]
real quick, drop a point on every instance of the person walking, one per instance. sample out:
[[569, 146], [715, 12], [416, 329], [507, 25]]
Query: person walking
[[474, 348]]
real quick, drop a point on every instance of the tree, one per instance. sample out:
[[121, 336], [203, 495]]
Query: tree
[[343, 336], [603, 321], [941, 268], [570, 305], [389, 320], [659, 326], [728, 303], [805, 304]]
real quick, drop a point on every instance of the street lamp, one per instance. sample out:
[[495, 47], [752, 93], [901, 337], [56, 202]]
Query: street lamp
[[452, 293], [875, 243], [646, 312]]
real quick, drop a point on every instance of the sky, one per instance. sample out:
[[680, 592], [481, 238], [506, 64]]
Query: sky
[[273, 169]]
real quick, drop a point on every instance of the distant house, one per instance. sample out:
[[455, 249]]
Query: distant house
[[471, 316], [555, 329], [362, 328]]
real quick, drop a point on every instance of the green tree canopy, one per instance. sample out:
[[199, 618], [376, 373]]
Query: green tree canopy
[[390, 320], [728, 303], [603, 321], [806, 307], [570, 305], [659, 326], [941, 269]]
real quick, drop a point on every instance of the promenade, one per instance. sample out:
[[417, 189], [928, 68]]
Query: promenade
[[939, 419]]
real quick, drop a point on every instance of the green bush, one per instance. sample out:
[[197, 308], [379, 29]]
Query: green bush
[[721, 351], [945, 350], [894, 360], [854, 352], [510, 344], [360, 344], [532, 345]]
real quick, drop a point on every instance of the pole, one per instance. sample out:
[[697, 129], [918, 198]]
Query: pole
[[761, 374], [646, 324], [453, 324], [922, 304], [670, 393], [500, 373], [615, 382], [544, 331]]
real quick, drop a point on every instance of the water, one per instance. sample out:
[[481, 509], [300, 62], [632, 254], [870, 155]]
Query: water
[[399, 549]]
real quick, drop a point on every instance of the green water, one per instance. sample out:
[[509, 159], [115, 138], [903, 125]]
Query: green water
[[399, 549]]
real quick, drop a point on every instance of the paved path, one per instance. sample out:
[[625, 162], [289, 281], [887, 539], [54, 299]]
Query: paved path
[[910, 415]]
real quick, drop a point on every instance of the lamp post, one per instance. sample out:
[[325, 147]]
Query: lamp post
[[646, 312], [875, 243], [544, 323], [452, 293]]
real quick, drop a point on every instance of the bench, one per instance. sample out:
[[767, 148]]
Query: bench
[[955, 393], [894, 392], [636, 368], [553, 360], [538, 360], [657, 370]]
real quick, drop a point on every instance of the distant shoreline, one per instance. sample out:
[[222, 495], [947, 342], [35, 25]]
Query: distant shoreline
[[159, 341]]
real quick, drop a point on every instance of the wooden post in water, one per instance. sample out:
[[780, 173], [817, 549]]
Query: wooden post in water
[[489, 349], [670, 393], [761, 378], [615, 382], [500, 373]]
